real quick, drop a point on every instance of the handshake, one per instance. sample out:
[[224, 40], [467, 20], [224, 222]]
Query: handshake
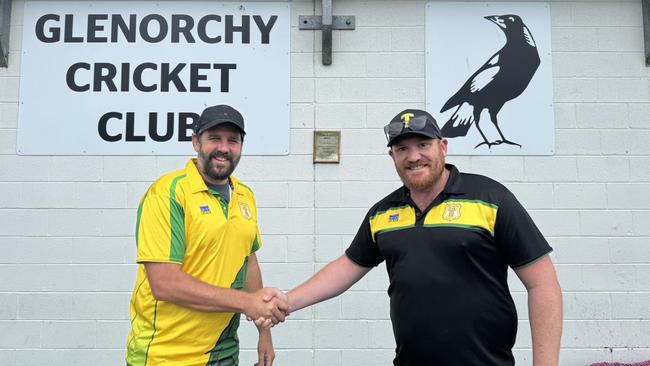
[[267, 307]]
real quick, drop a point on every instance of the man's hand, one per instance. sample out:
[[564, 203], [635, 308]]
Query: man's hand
[[265, 353], [272, 310], [274, 295]]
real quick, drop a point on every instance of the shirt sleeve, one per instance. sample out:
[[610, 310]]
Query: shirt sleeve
[[363, 250], [517, 235], [160, 228], [257, 242]]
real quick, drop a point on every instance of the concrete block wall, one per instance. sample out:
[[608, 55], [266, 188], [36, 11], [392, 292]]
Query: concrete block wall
[[66, 223]]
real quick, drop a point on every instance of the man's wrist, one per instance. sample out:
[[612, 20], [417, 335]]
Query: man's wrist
[[246, 302], [290, 301]]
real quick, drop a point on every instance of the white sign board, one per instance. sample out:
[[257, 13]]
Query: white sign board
[[488, 77], [131, 78]]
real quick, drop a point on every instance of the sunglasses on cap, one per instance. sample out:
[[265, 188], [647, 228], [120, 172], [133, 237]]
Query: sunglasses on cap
[[395, 129]]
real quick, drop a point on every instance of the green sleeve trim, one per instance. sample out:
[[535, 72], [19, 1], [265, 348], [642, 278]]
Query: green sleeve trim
[[177, 224], [240, 279], [141, 260], [360, 264], [137, 222], [532, 261], [256, 245]]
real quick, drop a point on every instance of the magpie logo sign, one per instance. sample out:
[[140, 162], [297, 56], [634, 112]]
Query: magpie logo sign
[[488, 76]]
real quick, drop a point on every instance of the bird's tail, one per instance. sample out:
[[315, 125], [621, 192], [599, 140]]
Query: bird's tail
[[459, 123]]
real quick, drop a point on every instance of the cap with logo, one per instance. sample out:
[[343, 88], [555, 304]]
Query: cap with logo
[[412, 121], [216, 115]]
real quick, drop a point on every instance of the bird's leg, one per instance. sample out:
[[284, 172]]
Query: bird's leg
[[493, 118], [477, 117]]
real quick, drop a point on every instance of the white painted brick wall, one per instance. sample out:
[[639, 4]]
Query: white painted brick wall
[[67, 222]]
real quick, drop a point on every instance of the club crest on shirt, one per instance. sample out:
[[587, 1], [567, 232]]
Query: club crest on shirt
[[452, 212], [205, 209], [245, 210], [393, 218]]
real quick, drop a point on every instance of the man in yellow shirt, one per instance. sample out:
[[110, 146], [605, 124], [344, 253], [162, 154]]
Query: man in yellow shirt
[[197, 235]]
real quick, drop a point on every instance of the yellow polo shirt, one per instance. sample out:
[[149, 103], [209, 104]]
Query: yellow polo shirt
[[181, 221]]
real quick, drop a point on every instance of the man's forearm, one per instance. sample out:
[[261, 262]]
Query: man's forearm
[[332, 280], [545, 313], [253, 275], [169, 283], [175, 286]]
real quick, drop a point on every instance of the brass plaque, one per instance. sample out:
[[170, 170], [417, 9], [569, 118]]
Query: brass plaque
[[327, 146]]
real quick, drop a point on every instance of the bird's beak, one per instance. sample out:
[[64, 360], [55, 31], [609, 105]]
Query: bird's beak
[[496, 20]]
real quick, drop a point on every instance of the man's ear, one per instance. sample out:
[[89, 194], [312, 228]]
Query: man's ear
[[196, 144], [443, 146]]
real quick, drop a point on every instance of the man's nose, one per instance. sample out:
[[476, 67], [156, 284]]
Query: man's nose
[[413, 155], [221, 146]]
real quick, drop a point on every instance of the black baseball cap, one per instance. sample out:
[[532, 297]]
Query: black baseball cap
[[218, 114], [412, 121]]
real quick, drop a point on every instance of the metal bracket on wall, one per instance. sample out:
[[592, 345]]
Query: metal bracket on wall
[[5, 25], [326, 24], [646, 30]]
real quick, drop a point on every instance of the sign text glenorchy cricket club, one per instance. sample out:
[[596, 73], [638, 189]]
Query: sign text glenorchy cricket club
[[147, 77]]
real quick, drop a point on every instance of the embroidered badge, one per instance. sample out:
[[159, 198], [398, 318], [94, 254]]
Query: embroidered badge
[[205, 209], [245, 211], [452, 212], [393, 218]]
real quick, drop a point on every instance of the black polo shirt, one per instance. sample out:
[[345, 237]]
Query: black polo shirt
[[449, 297]]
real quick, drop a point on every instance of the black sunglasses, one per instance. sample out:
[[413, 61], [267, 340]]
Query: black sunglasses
[[394, 129]]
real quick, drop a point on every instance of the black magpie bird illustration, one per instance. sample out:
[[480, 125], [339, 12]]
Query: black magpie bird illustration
[[502, 78]]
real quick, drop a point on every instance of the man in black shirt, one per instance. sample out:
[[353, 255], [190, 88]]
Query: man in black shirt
[[448, 239]]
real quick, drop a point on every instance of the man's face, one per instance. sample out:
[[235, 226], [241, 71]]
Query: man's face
[[219, 151], [419, 161]]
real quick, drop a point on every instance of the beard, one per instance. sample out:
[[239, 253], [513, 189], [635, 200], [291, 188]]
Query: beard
[[214, 172], [423, 181]]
